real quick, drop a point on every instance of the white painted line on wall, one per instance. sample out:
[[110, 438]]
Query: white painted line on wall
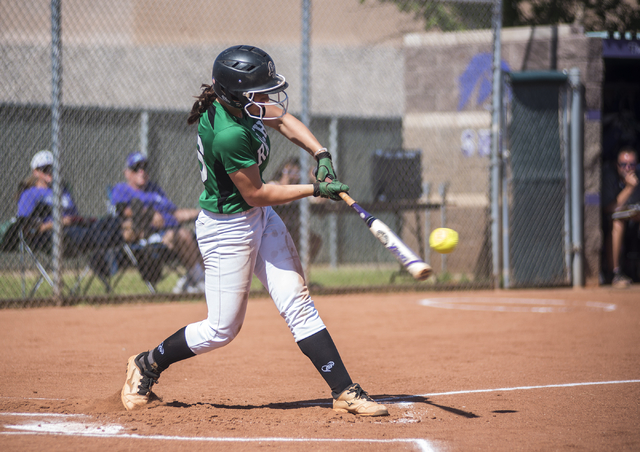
[[448, 119]]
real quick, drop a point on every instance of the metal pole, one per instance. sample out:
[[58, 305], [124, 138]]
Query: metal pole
[[426, 192], [443, 220], [56, 106], [333, 217], [504, 153], [144, 132], [305, 118], [495, 143], [577, 189], [566, 152]]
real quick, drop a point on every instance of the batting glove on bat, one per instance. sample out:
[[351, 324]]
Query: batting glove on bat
[[329, 190], [325, 167]]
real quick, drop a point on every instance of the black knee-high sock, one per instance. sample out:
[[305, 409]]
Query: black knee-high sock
[[323, 353], [171, 350]]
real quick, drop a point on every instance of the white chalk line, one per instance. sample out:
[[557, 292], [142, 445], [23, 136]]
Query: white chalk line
[[42, 414], [101, 431], [494, 304], [421, 444], [94, 430], [524, 388]]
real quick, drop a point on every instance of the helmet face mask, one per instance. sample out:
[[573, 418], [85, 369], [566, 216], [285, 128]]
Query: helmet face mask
[[281, 101], [241, 72]]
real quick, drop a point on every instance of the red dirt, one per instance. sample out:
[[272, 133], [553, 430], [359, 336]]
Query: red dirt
[[261, 392]]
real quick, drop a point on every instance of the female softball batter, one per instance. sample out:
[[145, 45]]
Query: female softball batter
[[239, 234]]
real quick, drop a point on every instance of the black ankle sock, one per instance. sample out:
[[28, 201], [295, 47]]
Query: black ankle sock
[[323, 353], [172, 349]]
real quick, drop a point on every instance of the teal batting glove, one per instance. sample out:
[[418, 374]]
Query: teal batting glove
[[325, 167], [329, 190]]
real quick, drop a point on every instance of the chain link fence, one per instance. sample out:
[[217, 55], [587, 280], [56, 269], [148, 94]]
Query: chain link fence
[[537, 116], [409, 132]]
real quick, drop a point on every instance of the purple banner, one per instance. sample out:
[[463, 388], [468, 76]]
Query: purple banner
[[621, 48]]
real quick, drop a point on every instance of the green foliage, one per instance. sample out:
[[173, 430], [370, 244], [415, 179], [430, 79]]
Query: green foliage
[[446, 16], [593, 15]]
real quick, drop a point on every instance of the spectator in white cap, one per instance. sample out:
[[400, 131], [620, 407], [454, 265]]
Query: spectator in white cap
[[164, 220], [35, 196], [42, 159], [35, 202]]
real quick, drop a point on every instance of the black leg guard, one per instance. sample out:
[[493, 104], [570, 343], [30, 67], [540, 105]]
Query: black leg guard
[[172, 349], [322, 352]]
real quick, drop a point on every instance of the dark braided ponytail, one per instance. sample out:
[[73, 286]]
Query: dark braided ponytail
[[202, 103]]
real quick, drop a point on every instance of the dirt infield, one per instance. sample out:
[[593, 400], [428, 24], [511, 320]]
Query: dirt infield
[[506, 370]]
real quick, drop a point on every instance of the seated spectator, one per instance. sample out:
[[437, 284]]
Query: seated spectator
[[620, 188], [35, 204], [151, 216]]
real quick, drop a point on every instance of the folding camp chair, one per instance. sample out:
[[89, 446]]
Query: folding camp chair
[[14, 240], [21, 237], [152, 259]]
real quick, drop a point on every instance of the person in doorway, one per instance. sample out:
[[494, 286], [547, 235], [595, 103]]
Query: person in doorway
[[620, 189], [239, 233]]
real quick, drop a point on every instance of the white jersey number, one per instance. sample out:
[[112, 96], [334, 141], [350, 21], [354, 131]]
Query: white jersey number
[[203, 169], [261, 132]]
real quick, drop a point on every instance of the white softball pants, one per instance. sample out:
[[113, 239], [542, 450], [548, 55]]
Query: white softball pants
[[234, 247]]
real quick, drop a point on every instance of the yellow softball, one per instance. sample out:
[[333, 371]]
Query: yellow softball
[[443, 240]]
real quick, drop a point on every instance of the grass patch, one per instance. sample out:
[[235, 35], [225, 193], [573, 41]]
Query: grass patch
[[366, 277]]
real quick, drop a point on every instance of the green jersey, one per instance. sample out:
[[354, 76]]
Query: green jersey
[[227, 144]]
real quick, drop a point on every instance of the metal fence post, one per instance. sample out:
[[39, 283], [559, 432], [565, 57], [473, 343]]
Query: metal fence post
[[56, 107], [426, 192], [495, 143], [333, 217], [443, 219], [305, 255], [144, 132], [577, 189], [566, 152]]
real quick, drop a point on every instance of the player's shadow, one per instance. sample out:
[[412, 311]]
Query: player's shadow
[[381, 398], [403, 398], [274, 406]]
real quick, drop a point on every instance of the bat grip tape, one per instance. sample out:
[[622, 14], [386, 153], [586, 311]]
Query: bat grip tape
[[366, 216]]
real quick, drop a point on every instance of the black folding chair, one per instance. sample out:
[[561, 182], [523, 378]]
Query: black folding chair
[[21, 237], [153, 260]]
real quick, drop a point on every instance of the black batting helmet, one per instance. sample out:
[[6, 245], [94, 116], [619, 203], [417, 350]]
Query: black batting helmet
[[241, 71]]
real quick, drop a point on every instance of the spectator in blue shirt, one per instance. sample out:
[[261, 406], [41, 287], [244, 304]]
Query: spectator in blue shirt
[[163, 222], [35, 203]]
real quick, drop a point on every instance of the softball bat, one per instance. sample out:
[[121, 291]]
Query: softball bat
[[419, 269]]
